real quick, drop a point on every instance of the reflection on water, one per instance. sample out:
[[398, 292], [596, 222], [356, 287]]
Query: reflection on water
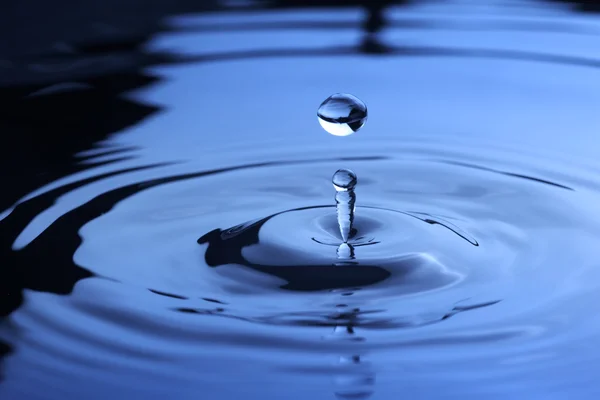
[[583, 5], [354, 378], [467, 268], [374, 23]]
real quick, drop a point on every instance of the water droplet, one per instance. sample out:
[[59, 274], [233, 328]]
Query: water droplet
[[344, 181], [342, 114]]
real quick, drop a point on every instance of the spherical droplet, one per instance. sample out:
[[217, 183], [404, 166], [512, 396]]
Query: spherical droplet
[[344, 180], [342, 114]]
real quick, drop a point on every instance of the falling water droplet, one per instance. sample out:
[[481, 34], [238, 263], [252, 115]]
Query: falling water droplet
[[344, 181], [342, 114]]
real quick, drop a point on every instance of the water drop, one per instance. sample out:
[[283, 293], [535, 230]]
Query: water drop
[[342, 114], [344, 181]]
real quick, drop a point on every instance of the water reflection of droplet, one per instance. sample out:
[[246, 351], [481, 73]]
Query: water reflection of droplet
[[356, 380], [345, 252], [342, 114]]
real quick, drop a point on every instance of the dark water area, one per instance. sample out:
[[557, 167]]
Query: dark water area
[[168, 221]]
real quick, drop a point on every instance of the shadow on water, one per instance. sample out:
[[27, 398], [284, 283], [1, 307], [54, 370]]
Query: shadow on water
[[375, 19], [405, 51], [583, 5], [298, 277], [62, 77], [404, 23], [43, 127]]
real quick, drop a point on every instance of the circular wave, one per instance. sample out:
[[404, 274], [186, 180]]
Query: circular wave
[[476, 263]]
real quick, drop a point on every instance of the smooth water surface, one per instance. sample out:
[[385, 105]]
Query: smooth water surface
[[197, 254]]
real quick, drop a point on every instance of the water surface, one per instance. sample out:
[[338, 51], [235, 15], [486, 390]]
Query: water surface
[[478, 181]]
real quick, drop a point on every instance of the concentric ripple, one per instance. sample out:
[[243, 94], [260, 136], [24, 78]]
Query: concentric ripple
[[501, 248], [208, 263], [299, 247]]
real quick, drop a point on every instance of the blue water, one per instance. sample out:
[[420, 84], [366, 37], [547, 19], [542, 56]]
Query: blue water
[[473, 272]]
